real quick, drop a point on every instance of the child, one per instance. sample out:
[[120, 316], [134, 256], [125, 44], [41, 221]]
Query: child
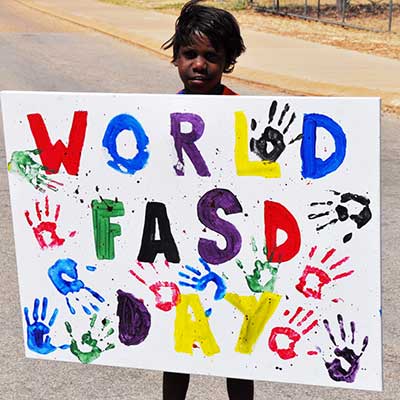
[[206, 44]]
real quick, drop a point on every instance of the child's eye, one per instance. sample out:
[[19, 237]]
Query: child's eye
[[212, 57], [190, 54]]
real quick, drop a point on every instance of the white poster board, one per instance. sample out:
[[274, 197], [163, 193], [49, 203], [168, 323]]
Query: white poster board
[[232, 236]]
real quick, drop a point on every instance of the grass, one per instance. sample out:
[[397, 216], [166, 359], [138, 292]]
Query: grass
[[233, 5]]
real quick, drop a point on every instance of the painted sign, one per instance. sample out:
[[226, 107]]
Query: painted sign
[[233, 236]]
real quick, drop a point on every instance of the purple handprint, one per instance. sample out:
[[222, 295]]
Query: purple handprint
[[335, 368]]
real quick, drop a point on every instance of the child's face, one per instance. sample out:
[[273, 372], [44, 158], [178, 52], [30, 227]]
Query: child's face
[[200, 66]]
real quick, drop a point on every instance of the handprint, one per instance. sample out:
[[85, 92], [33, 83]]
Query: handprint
[[23, 164], [342, 212], [254, 280], [201, 281], [272, 136], [68, 267], [167, 294], [49, 226], [344, 354], [37, 332], [292, 335], [322, 277], [87, 357]]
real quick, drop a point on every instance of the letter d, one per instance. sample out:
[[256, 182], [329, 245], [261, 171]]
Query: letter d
[[314, 167]]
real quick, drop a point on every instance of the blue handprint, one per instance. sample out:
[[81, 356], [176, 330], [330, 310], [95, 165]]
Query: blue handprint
[[201, 282], [38, 338], [68, 267]]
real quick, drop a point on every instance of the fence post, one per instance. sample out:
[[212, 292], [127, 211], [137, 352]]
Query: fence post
[[390, 15], [343, 10], [319, 8], [305, 7]]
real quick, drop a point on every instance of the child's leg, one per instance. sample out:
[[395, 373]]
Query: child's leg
[[175, 386], [240, 389]]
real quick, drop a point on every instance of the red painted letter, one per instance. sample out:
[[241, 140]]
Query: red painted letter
[[276, 216], [52, 155]]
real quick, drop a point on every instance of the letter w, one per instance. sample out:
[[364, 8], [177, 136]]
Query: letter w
[[52, 155]]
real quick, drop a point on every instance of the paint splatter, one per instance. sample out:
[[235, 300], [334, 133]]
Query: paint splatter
[[38, 332], [322, 277], [272, 137], [344, 353], [342, 212], [292, 335], [24, 165], [86, 357]]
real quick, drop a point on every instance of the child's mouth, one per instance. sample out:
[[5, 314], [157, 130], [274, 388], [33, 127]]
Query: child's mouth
[[199, 78]]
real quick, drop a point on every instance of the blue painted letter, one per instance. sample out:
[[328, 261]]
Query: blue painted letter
[[115, 127], [314, 167]]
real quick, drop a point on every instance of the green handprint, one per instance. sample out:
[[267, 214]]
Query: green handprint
[[254, 280], [89, 356], [23, 164]]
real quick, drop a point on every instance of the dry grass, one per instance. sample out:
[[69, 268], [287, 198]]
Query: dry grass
[[382, 44]]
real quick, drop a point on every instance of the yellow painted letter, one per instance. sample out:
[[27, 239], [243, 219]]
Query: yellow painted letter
[[189, 331], [256, 315], [245, 167]]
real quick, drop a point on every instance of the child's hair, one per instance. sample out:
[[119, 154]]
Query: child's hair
[[217, 25]]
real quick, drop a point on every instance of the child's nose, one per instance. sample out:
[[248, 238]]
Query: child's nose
[[200, 63]]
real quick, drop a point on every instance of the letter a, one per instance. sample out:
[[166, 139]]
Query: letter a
[[189, 331], [150, 247]]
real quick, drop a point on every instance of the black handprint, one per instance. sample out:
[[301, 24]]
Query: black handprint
[[271, 136], [335, 369], [342, 212]]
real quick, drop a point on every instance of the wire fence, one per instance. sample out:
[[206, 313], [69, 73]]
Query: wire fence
[[371, 15]]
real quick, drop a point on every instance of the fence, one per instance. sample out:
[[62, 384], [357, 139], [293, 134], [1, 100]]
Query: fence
[[372, 15]]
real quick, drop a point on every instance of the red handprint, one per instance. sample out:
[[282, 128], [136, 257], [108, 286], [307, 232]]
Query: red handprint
[[45, 228], [293, 336], [322, 277], [167, 294]]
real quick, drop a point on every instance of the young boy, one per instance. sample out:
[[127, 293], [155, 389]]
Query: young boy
[[206, 44]]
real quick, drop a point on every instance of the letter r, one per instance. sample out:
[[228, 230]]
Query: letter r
[[185, 141]]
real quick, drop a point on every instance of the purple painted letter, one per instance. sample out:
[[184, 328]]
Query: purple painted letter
[[207, 212], [134, 319], [185, 141]]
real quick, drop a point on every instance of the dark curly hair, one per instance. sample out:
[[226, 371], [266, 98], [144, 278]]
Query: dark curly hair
[[218, 25]]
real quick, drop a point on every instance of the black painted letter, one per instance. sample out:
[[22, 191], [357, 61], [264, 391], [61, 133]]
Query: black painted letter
[[150, 246]]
